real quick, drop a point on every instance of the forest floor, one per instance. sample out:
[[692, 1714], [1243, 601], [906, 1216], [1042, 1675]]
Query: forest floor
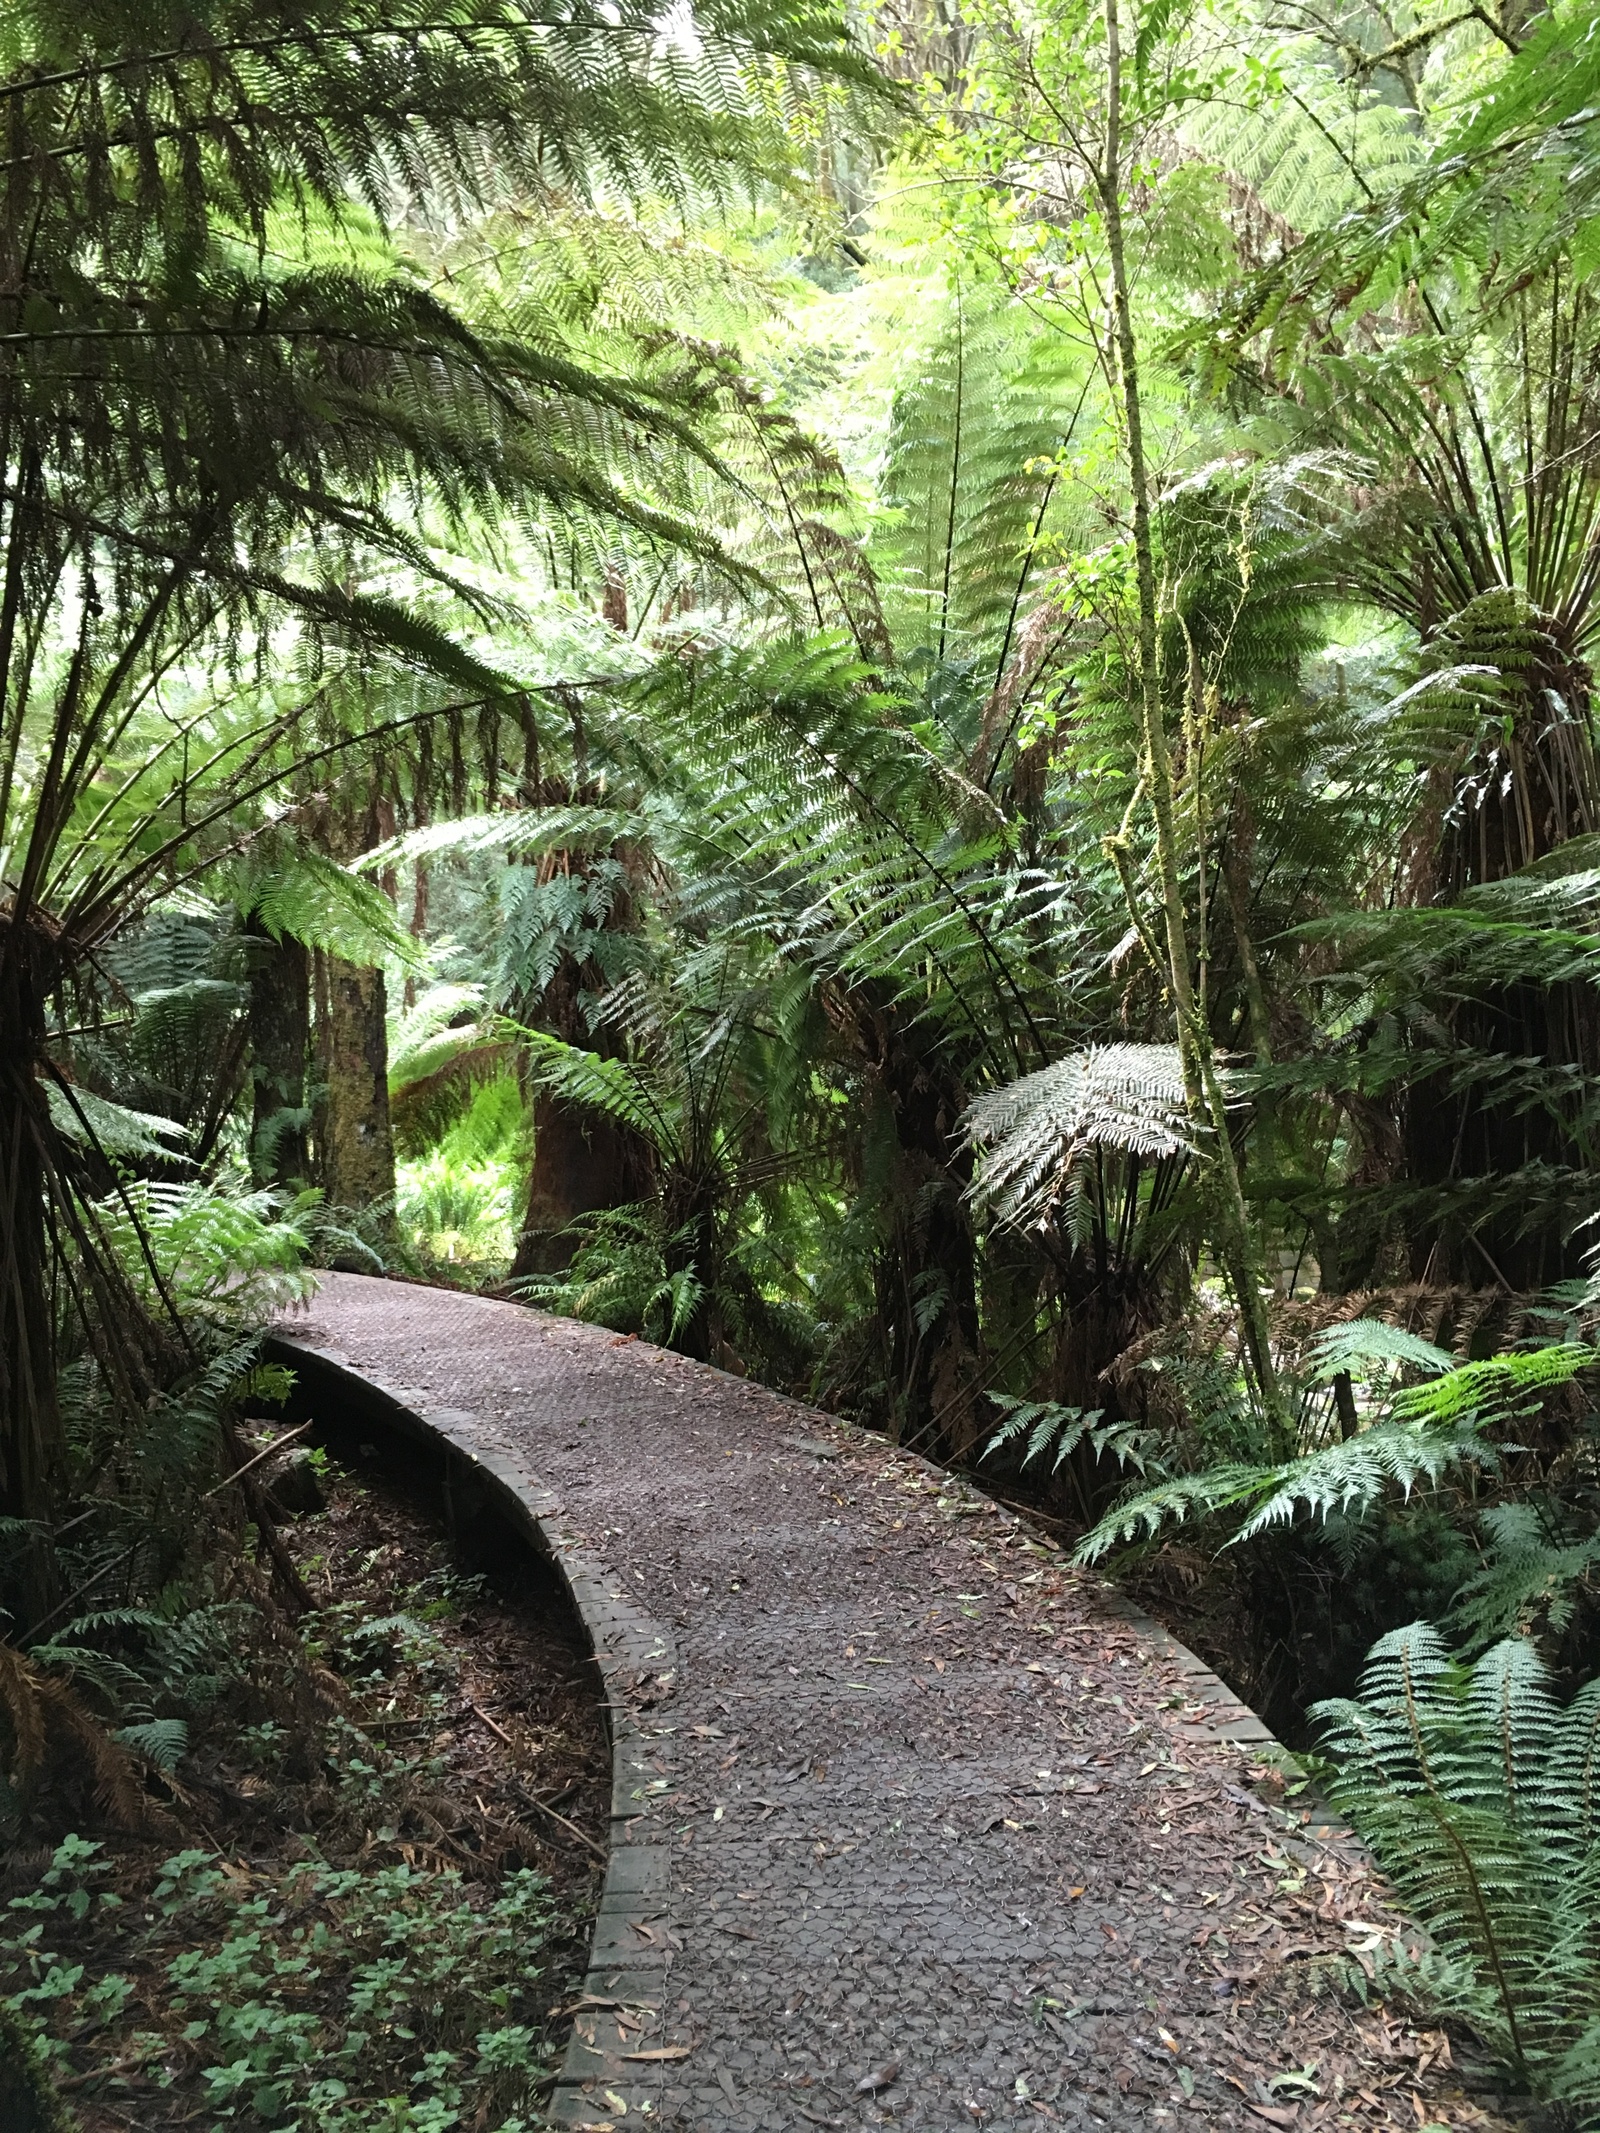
[[369, 1906], [935, 1837]]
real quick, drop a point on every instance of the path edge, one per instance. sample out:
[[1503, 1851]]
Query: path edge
[[627, 1646]]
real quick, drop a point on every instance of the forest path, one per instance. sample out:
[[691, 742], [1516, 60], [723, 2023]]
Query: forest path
[[913, 1825]]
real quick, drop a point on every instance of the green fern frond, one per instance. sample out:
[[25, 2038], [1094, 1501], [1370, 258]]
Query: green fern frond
[[1369, 1340], [93, 1121], [1530, 1576], [1472, 1786], [610, 1086], [302, 893], [161, 1741], [1045, 1425]]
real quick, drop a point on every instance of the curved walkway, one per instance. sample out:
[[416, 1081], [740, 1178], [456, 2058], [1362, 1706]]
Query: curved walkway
[[913, 1823]]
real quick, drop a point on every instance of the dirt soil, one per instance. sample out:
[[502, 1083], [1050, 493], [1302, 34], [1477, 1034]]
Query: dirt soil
[[489, 1758]]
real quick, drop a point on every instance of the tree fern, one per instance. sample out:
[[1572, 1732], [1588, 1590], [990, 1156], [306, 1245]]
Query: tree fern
[[223, 373], [1041, 1132]]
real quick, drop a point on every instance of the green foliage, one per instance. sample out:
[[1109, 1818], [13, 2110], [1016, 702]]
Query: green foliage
[[1537, 1568], [199, 1248], [1045, 1137], [621, 1276], [1477, 1790], [459, 1199], [1416, 1435], [1045, 1427], [332, 1997], [27, 2097]]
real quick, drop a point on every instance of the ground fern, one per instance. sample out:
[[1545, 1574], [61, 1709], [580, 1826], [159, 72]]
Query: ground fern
[[1479, 1792]]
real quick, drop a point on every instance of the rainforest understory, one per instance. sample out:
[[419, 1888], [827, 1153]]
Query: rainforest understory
[[903, 701]]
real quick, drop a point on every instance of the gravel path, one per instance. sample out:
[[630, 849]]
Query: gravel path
[[932, 1832]]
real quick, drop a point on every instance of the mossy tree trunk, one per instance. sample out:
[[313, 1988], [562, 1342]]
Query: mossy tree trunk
[[357, 1139]]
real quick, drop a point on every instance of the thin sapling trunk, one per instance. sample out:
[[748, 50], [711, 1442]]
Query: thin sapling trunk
[[1202, 1083]]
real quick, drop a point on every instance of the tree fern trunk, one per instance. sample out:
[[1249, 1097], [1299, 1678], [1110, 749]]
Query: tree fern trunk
[[1536, 790], [583, 1162], [927, 1279], [32, 1452], [358, 1142], [280, 1037]]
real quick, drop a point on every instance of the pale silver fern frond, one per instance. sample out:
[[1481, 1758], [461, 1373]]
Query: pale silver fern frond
[[1035, 1133]]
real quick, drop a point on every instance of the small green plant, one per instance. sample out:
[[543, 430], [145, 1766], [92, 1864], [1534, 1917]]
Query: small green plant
[[1479, 1793], [322, 2000]]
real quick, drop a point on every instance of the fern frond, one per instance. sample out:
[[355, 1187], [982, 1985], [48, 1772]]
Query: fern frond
[[94, 1121], [1370, 1340], [1531, 1574], [1470, 1784], [599, 1084], [1046, 1425], [1036, 1132]]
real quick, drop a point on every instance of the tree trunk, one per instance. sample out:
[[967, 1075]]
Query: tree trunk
[[927, 1281], [30, 1426], [582, 1162], [1537, 789], [357, 1141], [280, 1036], [1202, 1084], [32, 1448]]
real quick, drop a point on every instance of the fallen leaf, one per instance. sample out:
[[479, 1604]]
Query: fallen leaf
[[881, 2077], [661, 2051], [1275, 2114], [816, 2118]]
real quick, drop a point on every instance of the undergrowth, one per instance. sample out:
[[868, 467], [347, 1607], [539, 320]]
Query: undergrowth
[[312, 1917], [1479, 1793], [315, 1996]]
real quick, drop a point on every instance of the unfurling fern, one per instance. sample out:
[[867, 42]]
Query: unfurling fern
[[1480, 1795]]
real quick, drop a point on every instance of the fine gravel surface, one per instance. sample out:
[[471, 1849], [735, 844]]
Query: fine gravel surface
[[937, 1836]]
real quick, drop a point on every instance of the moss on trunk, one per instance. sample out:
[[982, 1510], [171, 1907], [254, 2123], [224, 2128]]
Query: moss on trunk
[[357, 1143]]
